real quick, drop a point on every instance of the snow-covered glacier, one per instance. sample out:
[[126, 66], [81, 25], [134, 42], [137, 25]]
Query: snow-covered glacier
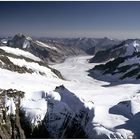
[[43, 100]]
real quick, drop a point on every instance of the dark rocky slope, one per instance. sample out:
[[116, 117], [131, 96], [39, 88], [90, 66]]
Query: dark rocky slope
[[5, 63], [63, 123], [88, 45], [114, 52], [125, 66], [47, 52], [10, 126]]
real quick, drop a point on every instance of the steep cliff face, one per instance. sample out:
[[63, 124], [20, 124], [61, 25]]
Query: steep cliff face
[[125, 67], [10, 126], [125, 48], [65, 117], [47, 52]]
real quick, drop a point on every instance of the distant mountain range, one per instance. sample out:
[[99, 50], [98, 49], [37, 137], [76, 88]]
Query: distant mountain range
[[123, 62], [124, 47], [89, 45], [57, 49]]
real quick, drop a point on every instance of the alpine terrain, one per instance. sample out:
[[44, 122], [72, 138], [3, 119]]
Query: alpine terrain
[[69, 88]]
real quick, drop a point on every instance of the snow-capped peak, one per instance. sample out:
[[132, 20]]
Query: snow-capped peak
[[28, 38], [132, 46], [136, 45], [26, 42], [21, 35]]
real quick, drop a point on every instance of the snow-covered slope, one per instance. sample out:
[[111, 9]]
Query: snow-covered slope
[[19, 52], [42, 103], [78, 107], [105, 123], [83, 108], [48, 52], [132, 46], [44, 100], [125, 48], [123, 68], [45, 45]]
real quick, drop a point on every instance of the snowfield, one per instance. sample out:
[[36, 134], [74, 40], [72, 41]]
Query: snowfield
[[109, 113], [104, 96], [34, 66], [45, 45], [19, 52]]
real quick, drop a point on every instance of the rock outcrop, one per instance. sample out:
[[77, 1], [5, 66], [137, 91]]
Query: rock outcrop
[[10, 126], [125, 48], [66, 117], [125, 67]]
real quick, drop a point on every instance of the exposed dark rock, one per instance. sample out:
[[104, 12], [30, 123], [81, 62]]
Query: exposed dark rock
[[10, 123], [7, 64], [88, 45], [57, 73], [63, 123], [45, 53], [118, 50], [114, 68]]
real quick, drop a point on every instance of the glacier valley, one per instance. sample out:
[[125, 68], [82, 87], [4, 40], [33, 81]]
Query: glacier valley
[[57, 89]]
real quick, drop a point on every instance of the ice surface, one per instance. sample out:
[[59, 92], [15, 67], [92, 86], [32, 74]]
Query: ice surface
[[103, 96]]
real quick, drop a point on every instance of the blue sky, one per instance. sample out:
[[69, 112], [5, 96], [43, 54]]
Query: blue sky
[[71, 19]]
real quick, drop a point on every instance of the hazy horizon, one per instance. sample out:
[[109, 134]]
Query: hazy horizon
[[96, 19]]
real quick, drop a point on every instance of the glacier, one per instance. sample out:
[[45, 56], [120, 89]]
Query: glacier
[[78, 106]]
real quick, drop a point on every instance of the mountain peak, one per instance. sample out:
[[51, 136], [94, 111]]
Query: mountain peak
[[22, 36], [20, 40]]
